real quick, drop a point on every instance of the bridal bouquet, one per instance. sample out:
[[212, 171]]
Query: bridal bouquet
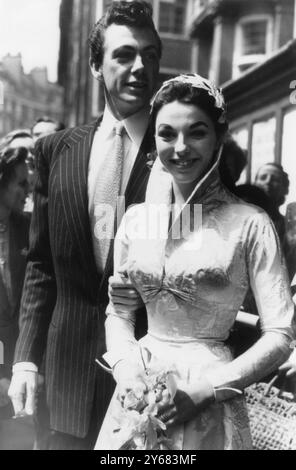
[[138, 425]]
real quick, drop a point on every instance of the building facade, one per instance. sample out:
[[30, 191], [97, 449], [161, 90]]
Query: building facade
[[248, 47], [26, 97], [76, 20]]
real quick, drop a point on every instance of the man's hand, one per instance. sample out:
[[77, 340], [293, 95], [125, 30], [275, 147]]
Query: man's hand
[[4, 386], [23, 392], [123, 294], [188, 401]]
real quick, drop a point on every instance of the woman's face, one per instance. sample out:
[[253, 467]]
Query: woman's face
[[185, 140], [13, 197]]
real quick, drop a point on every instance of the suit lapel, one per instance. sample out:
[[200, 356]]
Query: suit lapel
[[73, 180]]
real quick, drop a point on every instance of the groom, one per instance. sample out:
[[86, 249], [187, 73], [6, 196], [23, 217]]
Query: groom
[[66, 286]]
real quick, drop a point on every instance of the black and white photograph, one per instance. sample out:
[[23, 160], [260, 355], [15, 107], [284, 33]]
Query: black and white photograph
[[148, 227]]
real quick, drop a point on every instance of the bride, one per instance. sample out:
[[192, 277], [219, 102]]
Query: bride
[[191, 251]]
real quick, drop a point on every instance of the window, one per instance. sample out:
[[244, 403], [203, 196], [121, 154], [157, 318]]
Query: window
[[254, 37], [172, 16], [1, 93], [25, 115], [1, 132], [198, 6], [253, 42], [241, 136], [263, 144]]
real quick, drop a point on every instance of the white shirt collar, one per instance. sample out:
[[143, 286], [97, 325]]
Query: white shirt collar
[[135, 125]]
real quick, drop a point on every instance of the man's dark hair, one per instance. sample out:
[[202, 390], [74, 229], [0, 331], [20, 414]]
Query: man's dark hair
[[58, 124], [9, 160], [136, 13]]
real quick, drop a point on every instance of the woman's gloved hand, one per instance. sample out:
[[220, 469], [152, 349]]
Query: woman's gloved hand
[[131, 386]]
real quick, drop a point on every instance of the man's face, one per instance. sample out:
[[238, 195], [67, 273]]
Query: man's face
[[42, 129], [130, 68]]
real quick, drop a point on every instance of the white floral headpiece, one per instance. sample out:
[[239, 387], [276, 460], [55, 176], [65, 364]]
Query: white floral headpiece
[[196, 81]]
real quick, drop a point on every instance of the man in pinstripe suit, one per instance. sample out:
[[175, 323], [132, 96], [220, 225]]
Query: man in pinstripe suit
[[65, 292]]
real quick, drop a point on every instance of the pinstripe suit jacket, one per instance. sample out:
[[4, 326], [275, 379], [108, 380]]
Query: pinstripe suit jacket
[[64, 297]]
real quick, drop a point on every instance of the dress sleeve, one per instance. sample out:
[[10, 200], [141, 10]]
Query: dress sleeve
[[120, 325], [269, 281]]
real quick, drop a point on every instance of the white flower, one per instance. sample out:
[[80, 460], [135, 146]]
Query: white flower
[[139, 426]]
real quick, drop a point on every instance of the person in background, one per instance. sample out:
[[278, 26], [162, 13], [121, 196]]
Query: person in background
[[274, 181], [44, 126], [23, 138], [290, 241], [14, 242], [232, 162]]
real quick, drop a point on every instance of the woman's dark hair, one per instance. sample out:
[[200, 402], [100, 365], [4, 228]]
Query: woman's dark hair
[[136, 13], [188, 94], [253, 195], [9, 160]]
